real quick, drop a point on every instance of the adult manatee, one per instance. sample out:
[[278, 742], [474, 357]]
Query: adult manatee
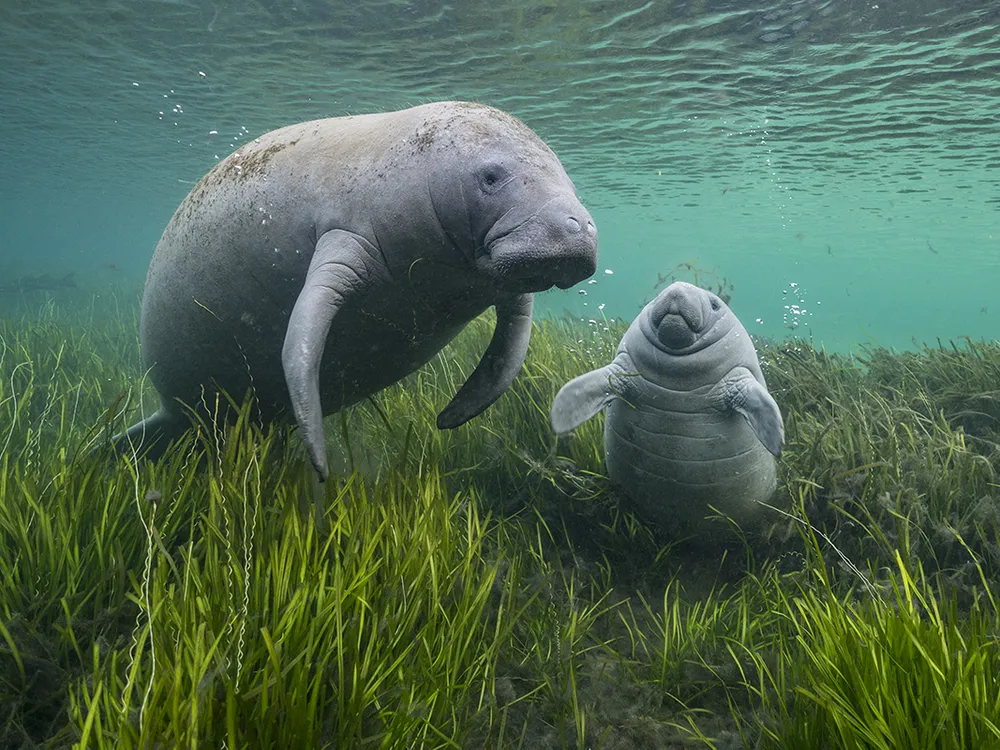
[[326, 260], [690, 422]]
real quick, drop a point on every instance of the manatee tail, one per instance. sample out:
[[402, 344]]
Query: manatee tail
[[150, 437]]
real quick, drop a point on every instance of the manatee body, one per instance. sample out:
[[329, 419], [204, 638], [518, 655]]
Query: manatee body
[[690, 423], [327, 260]]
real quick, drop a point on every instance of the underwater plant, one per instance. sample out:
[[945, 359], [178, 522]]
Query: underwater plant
[[490, 586]]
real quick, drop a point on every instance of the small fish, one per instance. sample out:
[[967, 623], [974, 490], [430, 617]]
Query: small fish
[[42, 282], [725, 190], [829, 251], [931, 247]]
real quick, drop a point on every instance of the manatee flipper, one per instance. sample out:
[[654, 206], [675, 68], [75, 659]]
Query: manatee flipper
[[150, 437], [585, 395], [740, 391], [342, 264], [499, 366]]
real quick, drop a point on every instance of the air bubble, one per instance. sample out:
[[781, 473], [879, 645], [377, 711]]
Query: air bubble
[[796, 312]]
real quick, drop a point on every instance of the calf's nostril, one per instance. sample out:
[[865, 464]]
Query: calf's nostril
[[572, 224]]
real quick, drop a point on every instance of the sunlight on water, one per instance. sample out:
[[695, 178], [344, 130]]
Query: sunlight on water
[[847, 147]]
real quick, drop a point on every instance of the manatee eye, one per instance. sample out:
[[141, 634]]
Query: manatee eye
[[715, 303], [492, 177]]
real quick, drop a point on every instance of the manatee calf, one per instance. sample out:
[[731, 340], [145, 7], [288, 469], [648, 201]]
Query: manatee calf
[[690, 422], [326, 260]]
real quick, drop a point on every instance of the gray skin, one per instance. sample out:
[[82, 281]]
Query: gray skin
[[327, 260], [690, 423]]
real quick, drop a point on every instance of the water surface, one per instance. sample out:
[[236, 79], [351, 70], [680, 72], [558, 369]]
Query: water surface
[[835, 161]]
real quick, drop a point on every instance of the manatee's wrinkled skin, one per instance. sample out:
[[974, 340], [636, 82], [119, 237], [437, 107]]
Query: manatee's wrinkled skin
[[690, 423], [326, 260]]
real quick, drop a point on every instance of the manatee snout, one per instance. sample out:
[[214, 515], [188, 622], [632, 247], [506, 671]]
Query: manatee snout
[[576, 250], [681, 313], [557, 246], [675, 332]]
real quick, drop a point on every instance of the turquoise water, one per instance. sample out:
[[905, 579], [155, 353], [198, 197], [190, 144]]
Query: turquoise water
[[837, 156]]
